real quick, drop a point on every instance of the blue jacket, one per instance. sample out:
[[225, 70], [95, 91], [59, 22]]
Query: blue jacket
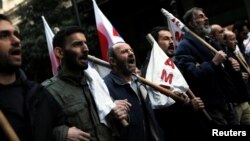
[[212, 83], [142, 123]]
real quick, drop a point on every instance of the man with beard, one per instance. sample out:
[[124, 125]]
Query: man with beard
[[204, 71], [29, 108], [170, 115], [164, 38], [122, 84], [71, 89], [241, 30]]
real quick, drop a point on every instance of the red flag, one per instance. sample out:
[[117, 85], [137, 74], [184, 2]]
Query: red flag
[[106, 32]]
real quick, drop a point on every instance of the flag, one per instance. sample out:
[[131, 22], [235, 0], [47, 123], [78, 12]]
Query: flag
[[184, 28], [49, 37], [175, 26], [100, 93], [97, 86], [106, 32], [162, 70], [246, 43], [103, 69], [176, 21]]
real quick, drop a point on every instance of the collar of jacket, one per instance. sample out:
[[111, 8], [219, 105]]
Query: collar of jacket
[[195, 40], [119, 80], [20, 77], [72, 78]]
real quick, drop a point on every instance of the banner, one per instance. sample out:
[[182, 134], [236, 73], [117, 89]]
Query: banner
[[175, 26], [106, 32], [49, 37], [100, 93], [162, 70], [246, 42]]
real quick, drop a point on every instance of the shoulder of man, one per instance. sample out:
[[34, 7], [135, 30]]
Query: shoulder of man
[[50, 81]]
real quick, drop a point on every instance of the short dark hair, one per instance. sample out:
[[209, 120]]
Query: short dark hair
[[238, 25], [5, 18], [60, 37], [155, 31]]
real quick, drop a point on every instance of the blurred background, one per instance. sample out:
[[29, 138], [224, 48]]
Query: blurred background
[[133, 19]]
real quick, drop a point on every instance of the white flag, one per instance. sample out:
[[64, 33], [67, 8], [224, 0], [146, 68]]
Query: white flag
[[175, 26], [49, 37], [162, 70], [102, 70], [246, 42], [100, 93]]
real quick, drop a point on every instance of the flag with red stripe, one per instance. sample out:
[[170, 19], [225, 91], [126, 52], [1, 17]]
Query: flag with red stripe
[[107, 34], [49, 37]]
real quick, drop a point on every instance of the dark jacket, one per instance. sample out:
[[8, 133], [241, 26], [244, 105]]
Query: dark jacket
[[142, 123], [40, 110], [212, 83], [73, 94], [239, 83]]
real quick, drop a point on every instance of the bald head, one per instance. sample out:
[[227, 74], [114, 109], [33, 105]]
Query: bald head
[[230, 39], [215, 27], [217, 32], [122, 59]]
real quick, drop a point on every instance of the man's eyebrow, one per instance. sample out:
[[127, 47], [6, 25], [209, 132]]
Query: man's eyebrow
[[10, 31], [5, 32]]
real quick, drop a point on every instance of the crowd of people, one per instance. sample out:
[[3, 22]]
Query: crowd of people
[[64, 108]]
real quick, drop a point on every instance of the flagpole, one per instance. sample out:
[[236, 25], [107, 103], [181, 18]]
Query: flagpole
[[160, 89], [143, 80], [74, 5], [186, 29], [9, 131], [191, 94], [105, 64], [243, 63]]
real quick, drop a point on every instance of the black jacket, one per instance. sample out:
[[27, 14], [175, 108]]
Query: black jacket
[[212, 83], [40, 112], [142, 122]]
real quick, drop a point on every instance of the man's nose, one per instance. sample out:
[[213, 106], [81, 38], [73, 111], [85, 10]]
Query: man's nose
[[15, 40]]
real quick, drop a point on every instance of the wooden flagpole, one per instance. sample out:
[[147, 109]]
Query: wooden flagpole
[[105, 64], [191, 94], [143, 80], [184, 28], [9, 131], [151, 84]]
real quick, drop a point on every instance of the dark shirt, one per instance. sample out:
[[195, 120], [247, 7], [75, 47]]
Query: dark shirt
[[30, 110], [12, 105], [142, 123]]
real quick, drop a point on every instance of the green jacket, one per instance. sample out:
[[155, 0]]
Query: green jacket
[[73, 95]]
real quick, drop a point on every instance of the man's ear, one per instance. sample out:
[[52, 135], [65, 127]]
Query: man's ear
[[112, 61], [191, 24], [58, 52]]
